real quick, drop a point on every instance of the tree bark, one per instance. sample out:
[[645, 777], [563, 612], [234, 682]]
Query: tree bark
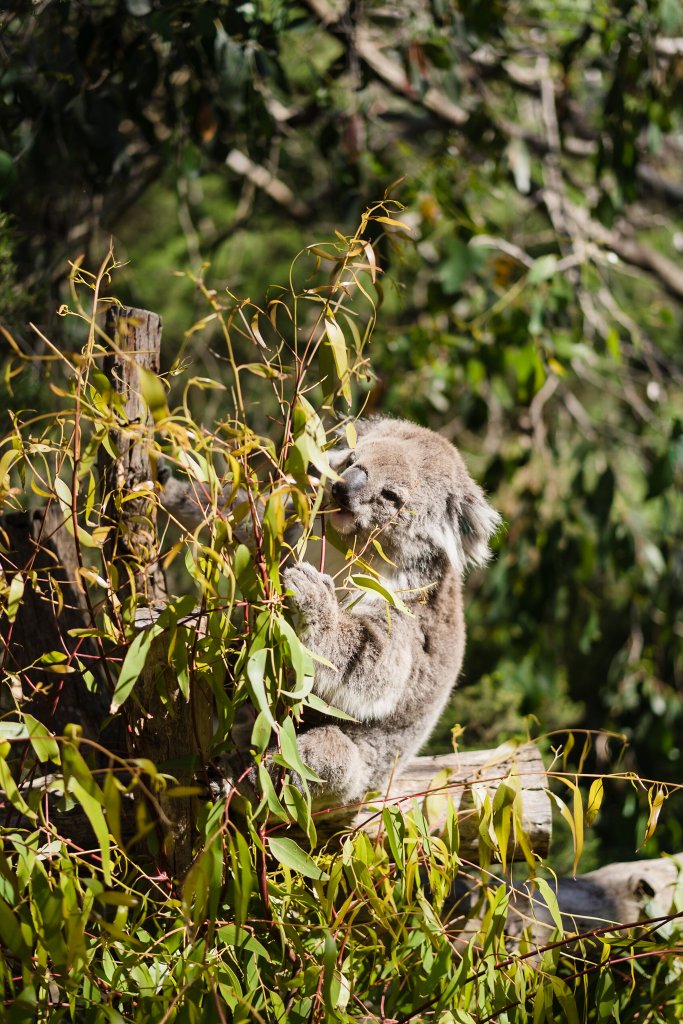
[[52, 605]]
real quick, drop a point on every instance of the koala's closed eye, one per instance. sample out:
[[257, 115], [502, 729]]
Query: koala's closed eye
[[391, 496]]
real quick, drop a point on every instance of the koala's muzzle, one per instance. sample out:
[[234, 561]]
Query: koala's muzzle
[[351, 483]]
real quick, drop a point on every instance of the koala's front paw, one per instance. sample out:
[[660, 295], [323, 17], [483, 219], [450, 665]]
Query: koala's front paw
[[312, 591]]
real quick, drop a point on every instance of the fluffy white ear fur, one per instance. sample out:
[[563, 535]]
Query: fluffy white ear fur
[[471, 524], [337, 456]]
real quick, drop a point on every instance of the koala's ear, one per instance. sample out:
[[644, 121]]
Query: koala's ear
[[473, 522], [337, 456]]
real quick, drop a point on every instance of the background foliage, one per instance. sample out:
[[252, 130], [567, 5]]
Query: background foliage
[[534, 316]]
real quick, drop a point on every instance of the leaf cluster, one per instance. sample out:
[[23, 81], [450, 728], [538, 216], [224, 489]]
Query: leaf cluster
[[268, 923]]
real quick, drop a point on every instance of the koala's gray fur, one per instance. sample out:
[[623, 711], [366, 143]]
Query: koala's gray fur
[[393, 669], [393, 672]]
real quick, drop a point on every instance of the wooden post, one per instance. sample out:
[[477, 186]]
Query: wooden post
[[136, 340], [162, 725]]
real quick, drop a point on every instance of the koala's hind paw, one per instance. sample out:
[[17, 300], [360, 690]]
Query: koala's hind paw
[[310, 588]]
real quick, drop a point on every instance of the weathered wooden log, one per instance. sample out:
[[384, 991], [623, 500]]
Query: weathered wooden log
[[162, 725], [619, 894], [465, 779]]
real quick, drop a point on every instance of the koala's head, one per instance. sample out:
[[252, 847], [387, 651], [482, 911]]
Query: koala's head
[[410, 487]]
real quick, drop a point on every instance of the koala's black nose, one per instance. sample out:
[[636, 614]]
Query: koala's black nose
[[352, 481]]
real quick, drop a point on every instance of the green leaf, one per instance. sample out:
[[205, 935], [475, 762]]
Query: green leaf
[[299, 657], [595, 795], [42, 740], [289, 853], [256, 667], [395, 829], [290, 752], [63, 492], [79, 781], [16, 592], [299, 809], [241, 938], [550, 900], [261, 732], [329, 972], [133, 663], [263, 370], [566, 1000], [337, 342], [11, 933], [656, 797], [9, 787], [314, 701], [243, 878], [153, 393], [309, 452], [373, 585], [461, 261], [6, 462], [542, 269], [13, 730]]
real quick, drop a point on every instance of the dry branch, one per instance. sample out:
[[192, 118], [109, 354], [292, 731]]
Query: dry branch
[[262, 178]]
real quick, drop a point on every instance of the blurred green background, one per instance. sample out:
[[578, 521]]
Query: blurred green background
[[534, 317]]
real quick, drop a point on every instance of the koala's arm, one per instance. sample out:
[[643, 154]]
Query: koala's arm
[[372, 659]]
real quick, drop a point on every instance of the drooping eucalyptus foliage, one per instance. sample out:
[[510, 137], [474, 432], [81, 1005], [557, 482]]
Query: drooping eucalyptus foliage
[[268, 923]]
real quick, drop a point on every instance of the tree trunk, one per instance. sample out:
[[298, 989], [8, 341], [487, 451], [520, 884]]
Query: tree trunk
[[53, 603]]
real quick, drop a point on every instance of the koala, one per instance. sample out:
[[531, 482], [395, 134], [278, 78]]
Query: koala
[[391, 669]]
